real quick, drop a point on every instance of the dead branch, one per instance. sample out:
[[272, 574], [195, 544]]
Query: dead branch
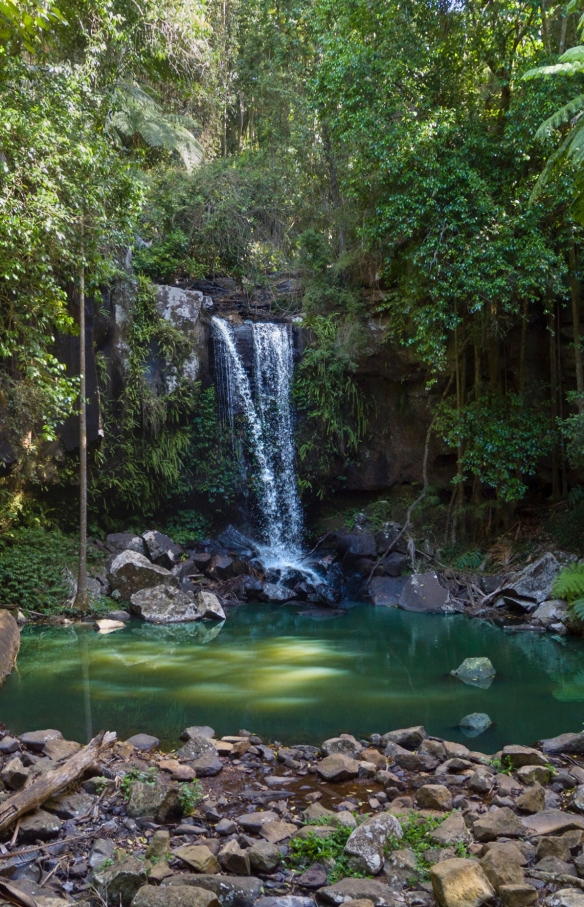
[[559, 877], [52, 782]]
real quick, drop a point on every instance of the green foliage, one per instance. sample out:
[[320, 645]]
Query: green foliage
[[569, 584], [416, 837], [469, 560], [566, 527], [573, 431], [312, 849], [187, 525], [135, 775], [34, 569], [189, 794]]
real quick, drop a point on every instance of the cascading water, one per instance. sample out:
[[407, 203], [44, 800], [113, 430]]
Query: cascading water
[[270, 425]]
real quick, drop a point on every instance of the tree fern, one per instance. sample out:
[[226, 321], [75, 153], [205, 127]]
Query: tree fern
[[569, 584]]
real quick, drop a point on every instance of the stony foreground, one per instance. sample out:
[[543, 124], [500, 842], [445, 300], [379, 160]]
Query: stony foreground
[[400, 819]]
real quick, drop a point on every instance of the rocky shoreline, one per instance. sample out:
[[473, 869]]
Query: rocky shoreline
[[399, 819]]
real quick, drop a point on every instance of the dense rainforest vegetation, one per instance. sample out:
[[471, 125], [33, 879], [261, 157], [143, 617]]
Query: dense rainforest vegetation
[[388, 156]]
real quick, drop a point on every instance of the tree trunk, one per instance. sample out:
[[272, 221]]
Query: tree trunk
[[522, 349], [554, 402], [335, 194], [575, 292], [81, 597]]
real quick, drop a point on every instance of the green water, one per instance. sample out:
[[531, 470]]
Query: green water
[[292, 678]]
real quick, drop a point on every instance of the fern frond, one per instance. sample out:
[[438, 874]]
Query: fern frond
[[578, 608], [564, 69], [569, 583], [561, 117]]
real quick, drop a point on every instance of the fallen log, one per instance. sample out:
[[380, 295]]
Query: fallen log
[[41, 789], [560, 878]]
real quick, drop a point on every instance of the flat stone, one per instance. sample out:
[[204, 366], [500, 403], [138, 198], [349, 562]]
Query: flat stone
[[201, 755], [498, 823], [199, 858], [338, 768], [460, 883], [57, 749], [199, 730], [118, 884], [38, 826], [232, 891], [518, 756], [70, 806], [180, 896], [290, 900], [452, 831], [349, 889], [409, 738], [253, 822], [564, 743], [345, 744], [434, 796], [521, 895], [277, 831], [314, 877], [476, 672], [105, 625], [316, 811], [144, 742], [566, 897], [264, 857], [424, 592], [365, 847], [551, 822], [35, 740]]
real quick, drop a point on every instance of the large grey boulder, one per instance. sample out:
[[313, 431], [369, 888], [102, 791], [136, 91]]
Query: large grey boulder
[[409, 738], [201, 755], [130, 572], [161, 549], [423, 592], [550, 612], [160, 800], [476, 672], [365, 847], [564, 743], [209, 606], [474, 724], [164, 605], [345, 744], [274, 592], [534, 584], [338, 767], [38, 825], [355, 545], [385, 591], [116, 542]]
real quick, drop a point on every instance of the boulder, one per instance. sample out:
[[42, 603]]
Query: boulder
[[400, 867], [345, 744], [286, 900], [522, 895], [338, 768], [9, 643], [159, 845], [385, 591], [409, 738], [14, 774], [201, 755], [161, 549], [550, 612], [477, 672], [523, 755], [529, 774], [120, 616], [105, 625], [130, 572], [237, 543], [8, 745], [365, 846], [474, 724], [160, 800], [144, 742], [232, 891], [533, 800], [36, 740], [566, 897], [498, 823], [423, 592], [264, 857], [535, 582], [349, 889], [277, 831], [199, 730], [452, 831], [209, 606], [220, 568], [38, 826], [416, 762], [564, 743], [116, 542], [434, 796], [179, 896], [551, 822], [394, 564], [102, 850], [199, 858], [274, 592], [164, 605], [355, 545], [118, 884], [460, 883], [57, 749], [502, 865], [70, 806], [253, 822]]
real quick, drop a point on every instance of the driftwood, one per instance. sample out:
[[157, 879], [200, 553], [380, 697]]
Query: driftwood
[[52, 782], [558, 877]]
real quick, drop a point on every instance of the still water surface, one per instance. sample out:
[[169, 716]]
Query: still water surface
[[293, 678]]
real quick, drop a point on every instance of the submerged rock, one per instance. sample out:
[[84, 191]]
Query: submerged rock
[[474, 724], [477, 672]]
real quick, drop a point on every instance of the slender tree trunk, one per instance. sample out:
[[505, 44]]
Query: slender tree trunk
[[554, 402], [335, 194], [575, 288], [522, 348], [81, 597], [563, 35]]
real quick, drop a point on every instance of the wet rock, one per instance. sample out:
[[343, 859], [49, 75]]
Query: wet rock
[[356, 889], [518, 756], [199, 730], [144, 742], [460, 883], [116, 542], [409, 738], [118, 884], [252, 822], [502, 865], [164, 604], [70, 806], [199, 858], [38, 826], [234, 860], [237, 543], [232, 891], [497, 824], [521, 895], [161, 549], [14, 774], [209, 606], [434, 796], [130, 572], [366, 844], [452, 831], [564, 743], [327, 595], [535, 582], [423, 592], [533, 800], [345, 744], [338, 767], [477, 672], [201, 755], [274, 592], [355, 545], [385, 591], [160, 800], [35, 740], [102, 850], [180, 896], [121, 616], [474, 724], [264, 857]]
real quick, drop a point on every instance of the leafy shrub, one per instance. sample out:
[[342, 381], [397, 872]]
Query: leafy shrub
[[416, 837], [134, 775], [189, 795], [33, 569], [312, 849], [187, 525], [569, 584]]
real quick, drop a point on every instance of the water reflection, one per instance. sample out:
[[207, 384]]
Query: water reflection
[[283, 675]]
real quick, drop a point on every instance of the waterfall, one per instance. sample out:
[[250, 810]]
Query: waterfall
[[264, 401]]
